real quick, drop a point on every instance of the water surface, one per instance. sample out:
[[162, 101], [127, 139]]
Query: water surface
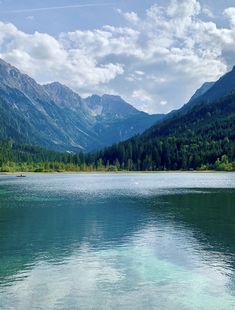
[[117, 241]]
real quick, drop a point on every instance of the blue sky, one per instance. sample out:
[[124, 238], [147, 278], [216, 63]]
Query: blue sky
[[154, 54]]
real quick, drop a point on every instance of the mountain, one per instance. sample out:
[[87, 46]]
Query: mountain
[[211, 91], [197, 96], [64, 97], [223, 87], [39, 120], [198, 136], [108, 106], [201, 91], [110, 117], [55, 117]]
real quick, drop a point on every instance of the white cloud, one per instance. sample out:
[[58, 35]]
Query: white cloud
[[139, 72], [131, 17], [143, 100], [141, 95], [161, 56], [47, 59], [207, 12], [230, 13], [103, 42]]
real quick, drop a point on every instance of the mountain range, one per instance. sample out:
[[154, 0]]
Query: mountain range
[[57, 118]]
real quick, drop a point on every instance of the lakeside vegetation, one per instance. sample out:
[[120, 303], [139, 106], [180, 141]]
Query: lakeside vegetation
[[51, 167], [25, 158]]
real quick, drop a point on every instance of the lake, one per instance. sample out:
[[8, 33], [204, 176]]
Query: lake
[[117, 241]]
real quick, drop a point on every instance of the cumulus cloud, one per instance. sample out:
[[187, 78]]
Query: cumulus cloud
[[230, 13], [131, 17], [143, 100], [206, 11], [155, 60], [47, 59], [140, 94]]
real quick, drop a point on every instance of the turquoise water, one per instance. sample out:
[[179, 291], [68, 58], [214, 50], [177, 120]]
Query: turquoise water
[[117, 241]]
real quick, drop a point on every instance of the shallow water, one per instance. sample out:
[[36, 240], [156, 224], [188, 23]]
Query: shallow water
[[117, 241]]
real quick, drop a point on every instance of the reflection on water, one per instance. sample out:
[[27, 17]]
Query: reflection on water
[[136, 241]]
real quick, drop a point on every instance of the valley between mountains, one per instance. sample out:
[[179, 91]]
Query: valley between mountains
[[52, 123]]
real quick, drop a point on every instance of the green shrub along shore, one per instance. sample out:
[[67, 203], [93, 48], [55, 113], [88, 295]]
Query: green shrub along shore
[[222, 164]]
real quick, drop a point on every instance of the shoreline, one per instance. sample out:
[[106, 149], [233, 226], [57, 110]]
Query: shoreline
[[113, 172]]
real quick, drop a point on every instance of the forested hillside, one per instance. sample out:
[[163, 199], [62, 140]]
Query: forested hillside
[[188, 141]]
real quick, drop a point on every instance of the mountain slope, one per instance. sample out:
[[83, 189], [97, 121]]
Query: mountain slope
[[48, 124], [201, 91], [122, 129], [190, 140], [223, 87], [211, 91], [57, 118]]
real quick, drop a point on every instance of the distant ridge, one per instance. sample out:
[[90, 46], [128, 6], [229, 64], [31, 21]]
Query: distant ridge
[[55, 117]]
